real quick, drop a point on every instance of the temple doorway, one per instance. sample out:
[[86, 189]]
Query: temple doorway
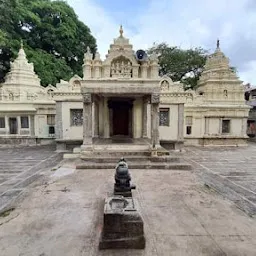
[[120, 117], [13, 124]]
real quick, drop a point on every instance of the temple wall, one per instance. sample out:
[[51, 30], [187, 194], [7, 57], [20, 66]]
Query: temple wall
[[71, 132], [41, 127], [207, 127], [170, 132]]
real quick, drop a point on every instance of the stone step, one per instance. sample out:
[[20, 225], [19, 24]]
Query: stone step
[[121, 147], [71, 155], [76, 150], [138, 165], [117, 153], [129, 159]]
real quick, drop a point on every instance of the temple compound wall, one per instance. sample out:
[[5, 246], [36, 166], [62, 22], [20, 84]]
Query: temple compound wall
[[123, 96]]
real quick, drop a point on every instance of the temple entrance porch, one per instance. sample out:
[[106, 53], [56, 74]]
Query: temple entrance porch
[[128, 122]]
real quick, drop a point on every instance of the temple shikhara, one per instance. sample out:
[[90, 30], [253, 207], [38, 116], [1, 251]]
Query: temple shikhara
[[122, 100]]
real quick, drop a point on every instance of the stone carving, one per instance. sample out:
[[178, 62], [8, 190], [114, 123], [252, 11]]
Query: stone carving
[[11, 96], [164, 86], [76, 83], [87, 98], [122, 180], [88, 55], [155, 98], [34, 96], [121, 67], [123, 225], [97, 57]]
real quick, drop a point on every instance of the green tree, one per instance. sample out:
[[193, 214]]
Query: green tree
[[179, 64], [54, 39]]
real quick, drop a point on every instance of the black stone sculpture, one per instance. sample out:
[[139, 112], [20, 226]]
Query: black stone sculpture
[[122, 180], [123, 226]]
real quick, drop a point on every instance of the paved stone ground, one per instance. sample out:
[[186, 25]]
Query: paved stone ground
[[230, 171], [182, 214], [19, 166]]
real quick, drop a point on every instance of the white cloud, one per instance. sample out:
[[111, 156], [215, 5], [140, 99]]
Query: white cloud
[[248, 76], [184, 23]]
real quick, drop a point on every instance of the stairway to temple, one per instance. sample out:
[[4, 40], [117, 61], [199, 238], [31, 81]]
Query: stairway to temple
[[137, 157]]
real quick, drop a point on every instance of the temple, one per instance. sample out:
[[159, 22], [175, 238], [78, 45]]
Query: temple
[[122, 100]]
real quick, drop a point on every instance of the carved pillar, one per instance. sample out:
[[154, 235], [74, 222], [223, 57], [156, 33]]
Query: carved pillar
[[87, 122], [155, 100], [135, 71], [145, 117]]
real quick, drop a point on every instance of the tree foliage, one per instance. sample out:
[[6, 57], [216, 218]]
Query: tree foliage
[[179, 64], [54, 39]]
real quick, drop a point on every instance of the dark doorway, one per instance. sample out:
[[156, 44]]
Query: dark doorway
[[121, 117], [121, 121], [13, 125]]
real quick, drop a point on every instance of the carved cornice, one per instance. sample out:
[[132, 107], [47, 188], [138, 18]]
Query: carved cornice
[[67, 94], [176, 94]]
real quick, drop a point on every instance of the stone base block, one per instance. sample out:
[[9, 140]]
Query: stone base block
[[123, 225], [124, 194], [138, 242]]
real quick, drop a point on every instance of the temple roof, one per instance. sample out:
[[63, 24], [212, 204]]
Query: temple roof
[[217, 60], [121, 43], [22, 72], [217, 67]]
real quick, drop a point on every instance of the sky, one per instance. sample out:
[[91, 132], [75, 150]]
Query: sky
[[184, 23]]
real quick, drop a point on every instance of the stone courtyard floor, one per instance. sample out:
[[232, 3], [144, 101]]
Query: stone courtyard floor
[[207, 211]]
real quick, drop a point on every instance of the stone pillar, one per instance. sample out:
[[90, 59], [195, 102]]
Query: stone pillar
[[87, 122], [145, 117], [180, 122], [155, 100], [96, 119], [18, 124], [101, 116], [32, 125], [59, 121], [106, 118], [7, 128]]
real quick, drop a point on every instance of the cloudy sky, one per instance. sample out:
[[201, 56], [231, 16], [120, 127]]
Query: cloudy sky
[[183, 23]]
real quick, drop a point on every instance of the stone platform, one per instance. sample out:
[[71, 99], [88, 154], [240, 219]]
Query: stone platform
[[122, 225]]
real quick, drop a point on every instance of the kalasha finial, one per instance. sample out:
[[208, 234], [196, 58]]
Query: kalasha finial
[[218, 43], [121, 31], [21, 44]]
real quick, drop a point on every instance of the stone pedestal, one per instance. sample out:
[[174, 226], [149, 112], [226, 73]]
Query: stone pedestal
[[123, 225]]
